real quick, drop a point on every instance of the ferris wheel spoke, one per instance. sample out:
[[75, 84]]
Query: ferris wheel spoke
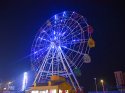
[[72, 50], [35, 52], [63, 31], [45, 40], [47, 35], [70, 26], [68, 19], [41, 45], [80, 64], [70, 32], [79, 41], [74, 34], [73, 21], [78, 25], [39, 57], [77, 65], [73, 64], [76, 57]]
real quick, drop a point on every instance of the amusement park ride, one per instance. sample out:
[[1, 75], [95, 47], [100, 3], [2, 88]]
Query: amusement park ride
[[59, 50]]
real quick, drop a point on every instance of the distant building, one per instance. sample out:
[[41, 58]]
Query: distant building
[[106, 92], [7, 91], [124, 76], [120, 80], [57, 84], [5, 88]]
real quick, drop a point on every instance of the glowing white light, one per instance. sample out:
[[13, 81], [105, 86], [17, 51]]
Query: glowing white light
[[53, 91], [64, 46], [60, 91], [54, 38], [55, 17], [44, 31], [9, 83], [4, 88], [25, 80], [54, 32], [52, 45], [44, 91], [63, 33], [36, 91], [64, 13], [59, 47], [35, 52]]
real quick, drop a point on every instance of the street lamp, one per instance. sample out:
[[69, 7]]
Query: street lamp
[[96, 85], [4, 88], [102, 82]]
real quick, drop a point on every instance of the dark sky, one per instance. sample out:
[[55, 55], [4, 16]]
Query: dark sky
[[21, 19]]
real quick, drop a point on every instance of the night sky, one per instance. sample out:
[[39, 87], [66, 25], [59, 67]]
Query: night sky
[[21, 19]]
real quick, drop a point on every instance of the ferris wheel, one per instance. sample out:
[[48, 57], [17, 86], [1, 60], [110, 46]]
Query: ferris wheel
[[61, 46]]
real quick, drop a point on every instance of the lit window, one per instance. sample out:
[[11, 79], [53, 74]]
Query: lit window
[[44, 91], [66, 91], [53, 91], [36, 91], [63, 91], [60, 91]]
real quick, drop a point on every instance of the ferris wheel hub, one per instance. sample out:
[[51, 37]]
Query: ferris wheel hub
[[55, 43]]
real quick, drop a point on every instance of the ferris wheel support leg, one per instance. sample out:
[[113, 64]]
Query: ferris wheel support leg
[[41, 66], [44, 63], [51, 65], [52, 61], [65, 67], [70, 70], [48, 70]]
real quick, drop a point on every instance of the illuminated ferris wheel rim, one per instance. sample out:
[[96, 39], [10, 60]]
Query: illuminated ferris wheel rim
[[51, 19], [45, 29]]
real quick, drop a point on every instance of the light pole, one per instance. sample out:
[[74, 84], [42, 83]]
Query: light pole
[[9, 83], [102, 82], [96, 85]]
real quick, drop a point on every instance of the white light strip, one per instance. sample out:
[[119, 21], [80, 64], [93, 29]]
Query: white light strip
[[25, 80]]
